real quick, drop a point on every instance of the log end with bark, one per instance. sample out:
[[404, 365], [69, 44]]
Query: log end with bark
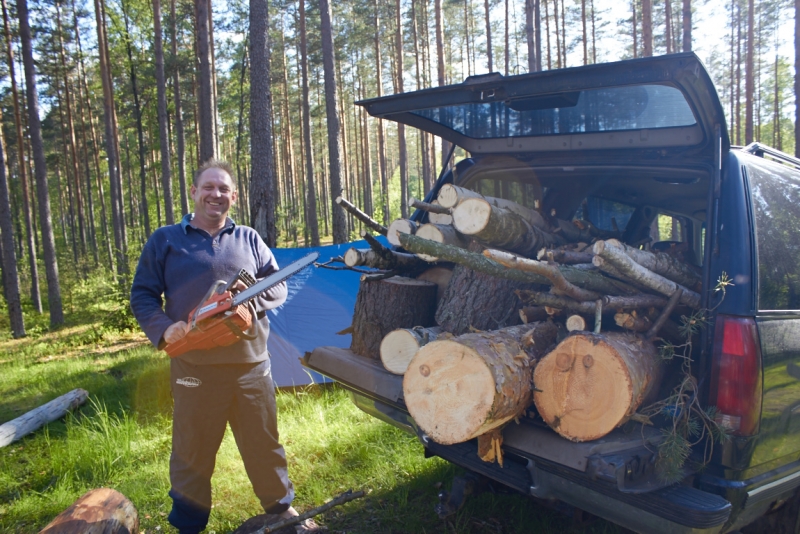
[[99, 511], [401, 345], [592, 383], [461, 388], [403, 226]]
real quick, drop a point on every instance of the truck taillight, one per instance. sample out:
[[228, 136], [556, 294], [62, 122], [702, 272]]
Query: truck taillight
[[736, 374]]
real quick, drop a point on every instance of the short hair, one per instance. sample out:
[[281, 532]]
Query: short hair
[[214, 163]]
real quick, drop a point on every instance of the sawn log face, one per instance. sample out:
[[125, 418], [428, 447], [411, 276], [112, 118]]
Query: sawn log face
[[592, 383], [461, 388]]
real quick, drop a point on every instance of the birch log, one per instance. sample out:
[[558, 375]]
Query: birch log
[[356, 257], [658, 262], [461, 388], [399, 346], [385, 305], [361, 216], [38, 417], [99, 511], [450, 196], [628, 267], [592, 383]]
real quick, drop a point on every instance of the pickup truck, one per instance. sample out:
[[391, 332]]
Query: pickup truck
[[641, 145]]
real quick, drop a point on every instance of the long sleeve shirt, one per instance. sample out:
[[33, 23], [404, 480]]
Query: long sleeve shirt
[[178, 265]]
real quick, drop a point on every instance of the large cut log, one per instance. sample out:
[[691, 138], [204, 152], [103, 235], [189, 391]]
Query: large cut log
[[561, 255], [587, 279], [399, 346], [500, 227], [592, 383], [400, 226], [461, 388], [38, 417], [631, 269], [439, 233], [478, 301], [99, 511], [450, 196], [389, 304], [658, 262], [356, 257]]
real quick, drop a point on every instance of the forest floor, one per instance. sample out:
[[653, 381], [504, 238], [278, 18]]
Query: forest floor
[[121, 439]]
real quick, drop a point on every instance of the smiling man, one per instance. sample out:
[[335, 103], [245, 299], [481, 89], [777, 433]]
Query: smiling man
[[220, 385]]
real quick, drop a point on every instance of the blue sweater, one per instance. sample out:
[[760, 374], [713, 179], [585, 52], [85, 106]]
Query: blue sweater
[[181, 263]]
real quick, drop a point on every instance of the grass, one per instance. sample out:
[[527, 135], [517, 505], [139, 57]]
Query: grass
[[121, 438]]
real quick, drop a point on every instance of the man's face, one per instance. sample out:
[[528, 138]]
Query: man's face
[[213, 195]]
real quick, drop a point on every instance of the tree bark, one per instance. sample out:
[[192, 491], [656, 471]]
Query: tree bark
[[461, 388], [389, 304], [334, 128], [38, 417], [687, 25], [9, 257], [437, 6], [750, 73], [382, 168], [98, 511], [488, 36], [592, 383], [205, 97], [311, 196], [40, 167], [355, 257], [647, 28], [30, 240], [262, 156], [163, 130], [361, 216], [439, 233], [400, 226], [402, 151], [399, 346], [180, 136], [658, 262]]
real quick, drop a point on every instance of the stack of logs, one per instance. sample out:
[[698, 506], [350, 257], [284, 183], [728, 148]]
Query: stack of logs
[[494, 305]]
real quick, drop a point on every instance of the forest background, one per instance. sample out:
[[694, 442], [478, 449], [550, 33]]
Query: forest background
[[108, 107]]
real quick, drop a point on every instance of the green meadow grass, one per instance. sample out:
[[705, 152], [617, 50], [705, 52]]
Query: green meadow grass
[[121, 438]]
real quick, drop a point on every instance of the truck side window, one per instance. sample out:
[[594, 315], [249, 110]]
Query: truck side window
[[605, 213], [775, 194]]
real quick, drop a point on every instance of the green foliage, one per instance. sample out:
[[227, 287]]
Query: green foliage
[[688, 423]]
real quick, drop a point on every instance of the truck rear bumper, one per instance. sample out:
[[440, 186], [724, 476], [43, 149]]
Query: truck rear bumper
[[538, 462]]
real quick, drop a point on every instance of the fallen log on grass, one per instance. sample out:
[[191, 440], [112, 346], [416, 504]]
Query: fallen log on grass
[[592, 383], [99, 511], [38, 417], [461, 388]]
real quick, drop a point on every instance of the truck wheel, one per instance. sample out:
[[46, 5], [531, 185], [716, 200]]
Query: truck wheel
[[783, 520]]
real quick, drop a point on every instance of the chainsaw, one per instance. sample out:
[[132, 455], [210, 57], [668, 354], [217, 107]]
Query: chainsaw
[[224, 315]]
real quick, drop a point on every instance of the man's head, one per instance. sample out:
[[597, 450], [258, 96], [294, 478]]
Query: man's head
[[213, 192]]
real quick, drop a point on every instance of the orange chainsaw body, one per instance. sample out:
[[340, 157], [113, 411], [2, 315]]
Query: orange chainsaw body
[[216, 325]]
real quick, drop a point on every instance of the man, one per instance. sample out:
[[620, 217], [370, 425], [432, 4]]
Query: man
[[219, 385]]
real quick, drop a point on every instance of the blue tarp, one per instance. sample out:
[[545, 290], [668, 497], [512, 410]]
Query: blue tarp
[[320, 303]]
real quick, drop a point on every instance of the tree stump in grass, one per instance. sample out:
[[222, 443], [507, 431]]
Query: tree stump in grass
[[99, 511], [592, 383], [460, 388], [386, 305]]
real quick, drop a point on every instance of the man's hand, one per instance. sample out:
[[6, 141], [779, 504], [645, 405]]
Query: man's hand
[[176, 331]]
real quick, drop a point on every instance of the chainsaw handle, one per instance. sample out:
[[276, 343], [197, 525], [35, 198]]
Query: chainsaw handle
[[193, 318]]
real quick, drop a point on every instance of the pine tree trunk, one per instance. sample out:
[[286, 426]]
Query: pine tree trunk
[[163, 133], [311, 197], [30, 232], [262, 156], [797, 78], [37, 145], [180, 135], [9, 257], [647, 28], [749, 83], [205, 96], [592, 383], [668, 25], [460, 388], [687, 25], [488, 36], [440, 68], [401, 128], [334, 127]]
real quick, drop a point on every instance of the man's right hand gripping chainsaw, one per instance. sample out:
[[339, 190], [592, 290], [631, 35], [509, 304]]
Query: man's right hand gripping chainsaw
[[225, 316]]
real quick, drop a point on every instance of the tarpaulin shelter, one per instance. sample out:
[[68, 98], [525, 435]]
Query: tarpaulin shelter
[[320, 303]]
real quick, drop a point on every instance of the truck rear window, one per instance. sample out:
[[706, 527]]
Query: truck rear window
[[775, 194]]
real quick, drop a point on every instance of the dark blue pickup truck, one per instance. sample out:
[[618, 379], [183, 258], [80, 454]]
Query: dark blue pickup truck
[[642, 145]]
